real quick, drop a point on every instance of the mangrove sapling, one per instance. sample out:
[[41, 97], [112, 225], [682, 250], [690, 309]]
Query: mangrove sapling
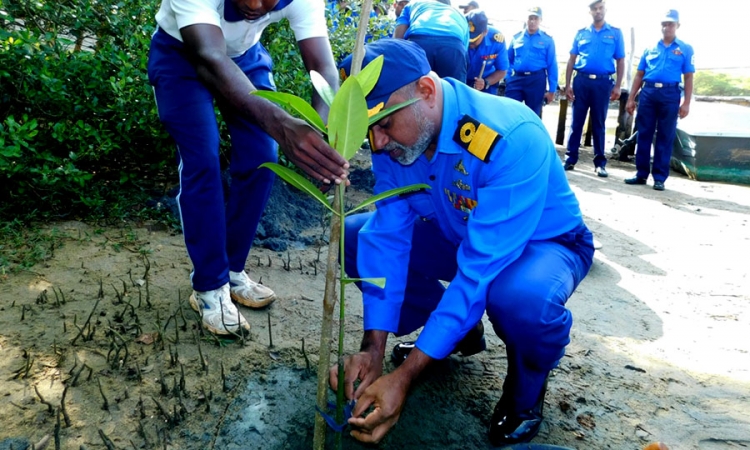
[[348, 122]]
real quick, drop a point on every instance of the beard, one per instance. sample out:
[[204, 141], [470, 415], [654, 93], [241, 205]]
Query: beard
[[426, 130]]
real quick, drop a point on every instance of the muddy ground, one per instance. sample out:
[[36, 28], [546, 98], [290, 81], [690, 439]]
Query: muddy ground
[[659, 348]]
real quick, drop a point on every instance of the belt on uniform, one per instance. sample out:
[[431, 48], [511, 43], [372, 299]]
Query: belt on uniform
[[527, 73], [659, 85], [594, 76]]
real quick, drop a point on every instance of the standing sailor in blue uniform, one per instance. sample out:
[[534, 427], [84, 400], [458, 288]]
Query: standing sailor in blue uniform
[[488, 57], [441, 31], [596, 50], [500, 224], [206, 50], [660, 71], [533, 76]]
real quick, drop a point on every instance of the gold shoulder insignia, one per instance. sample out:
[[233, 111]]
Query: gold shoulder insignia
[[498, 37], [343, 74], [476, 138]]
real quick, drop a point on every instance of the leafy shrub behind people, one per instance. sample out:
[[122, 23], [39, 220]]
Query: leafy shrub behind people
[[79, 131]]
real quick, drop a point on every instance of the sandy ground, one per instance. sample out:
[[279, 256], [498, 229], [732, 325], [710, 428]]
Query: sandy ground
[[659, 348]]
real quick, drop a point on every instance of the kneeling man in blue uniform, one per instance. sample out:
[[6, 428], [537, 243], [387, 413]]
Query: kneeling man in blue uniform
[[658, 78], [500, 224]]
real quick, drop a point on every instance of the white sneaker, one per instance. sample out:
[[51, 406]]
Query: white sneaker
[[218, 313], [247, 292]]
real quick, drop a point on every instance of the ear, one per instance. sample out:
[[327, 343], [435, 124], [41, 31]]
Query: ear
[[427, 89]]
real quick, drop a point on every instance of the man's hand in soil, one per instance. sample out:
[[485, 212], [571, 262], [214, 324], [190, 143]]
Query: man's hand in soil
[[365, 366], [386, 398]]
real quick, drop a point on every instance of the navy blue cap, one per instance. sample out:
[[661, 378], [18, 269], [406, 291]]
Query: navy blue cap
[[403, 62], [671, 16], [535, 11], [477, 23]]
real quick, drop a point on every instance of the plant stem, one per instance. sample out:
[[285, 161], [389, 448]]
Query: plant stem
[[340, 400], [329, 301]]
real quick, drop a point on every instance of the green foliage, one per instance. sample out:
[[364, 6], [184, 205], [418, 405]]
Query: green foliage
[[720, 84], [78, 123], [347, 120], [79, 132]]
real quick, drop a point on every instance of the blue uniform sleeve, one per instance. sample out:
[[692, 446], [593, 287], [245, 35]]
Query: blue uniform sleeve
[[511, 52], [642, 62], [405, 17], [501, 61], [510, 204], [619, 45], [383, 251], [688, 66], [551, 66], [574, 50]]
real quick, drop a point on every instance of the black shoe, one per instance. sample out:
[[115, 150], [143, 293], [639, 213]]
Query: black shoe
[[569, 166], [513, 428], [635, 180], [658, 185], [471, 344], [601, 171]]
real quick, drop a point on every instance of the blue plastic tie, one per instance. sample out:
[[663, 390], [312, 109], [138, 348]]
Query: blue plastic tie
[[338, 428]]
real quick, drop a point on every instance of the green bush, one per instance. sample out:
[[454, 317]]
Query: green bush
[[79, 131], [715, 83]]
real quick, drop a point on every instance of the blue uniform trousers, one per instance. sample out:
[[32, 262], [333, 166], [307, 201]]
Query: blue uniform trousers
[[590, 94], [525, 303], [529, 89], [218, 237], [658, 109], [447, 56]]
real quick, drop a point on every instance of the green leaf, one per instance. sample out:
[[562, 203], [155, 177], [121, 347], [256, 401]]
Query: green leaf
[[390, 110], [369, 75], [299, 182], [321, 85], [347, 120], [387, 194], [379, 282], [295, 105]]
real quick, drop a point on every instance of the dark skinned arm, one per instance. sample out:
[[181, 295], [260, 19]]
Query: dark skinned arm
[[302, 145], [400, 31], [637, 82], [685, 106], [317, 55], [618, 81], [569, 76]]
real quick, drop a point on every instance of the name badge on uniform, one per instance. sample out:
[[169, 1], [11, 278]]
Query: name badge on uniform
[[476, 138]]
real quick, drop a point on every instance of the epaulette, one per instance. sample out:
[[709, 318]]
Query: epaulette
[[476, 138], [498, 37]]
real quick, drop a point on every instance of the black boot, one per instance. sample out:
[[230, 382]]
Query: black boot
[[471, 344], [512, 428]]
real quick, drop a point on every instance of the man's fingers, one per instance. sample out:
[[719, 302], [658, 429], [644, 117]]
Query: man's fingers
[[333, 377]]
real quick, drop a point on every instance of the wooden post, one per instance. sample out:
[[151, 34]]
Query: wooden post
[[587, 140], [560, 137]]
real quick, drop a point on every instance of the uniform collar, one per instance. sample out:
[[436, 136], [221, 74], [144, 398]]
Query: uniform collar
[[449, 120], [232, 14], [604, 27]]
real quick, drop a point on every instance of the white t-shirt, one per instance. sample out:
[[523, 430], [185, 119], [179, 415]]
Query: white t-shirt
[[306, 17]]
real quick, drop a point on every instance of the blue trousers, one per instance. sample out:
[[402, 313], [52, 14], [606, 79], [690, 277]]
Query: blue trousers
[[447, 56], [590, 95], [525, 303], [528, 89], [218, 236], [658, 109]]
